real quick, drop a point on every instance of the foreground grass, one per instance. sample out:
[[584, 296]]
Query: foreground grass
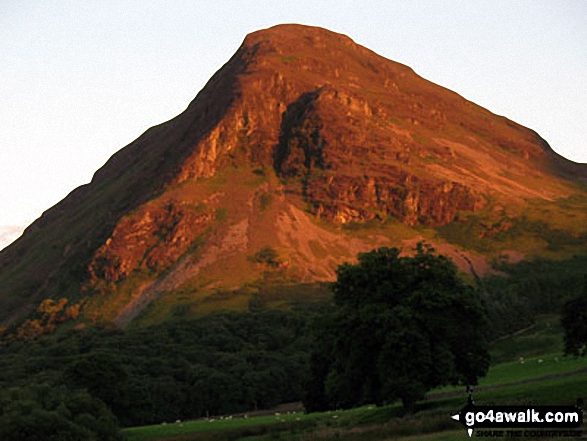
[[368, 422], [537, 368], [243, 427], [549, 378], [545, 336]]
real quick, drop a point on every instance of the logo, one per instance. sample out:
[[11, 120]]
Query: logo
[[520, 417]]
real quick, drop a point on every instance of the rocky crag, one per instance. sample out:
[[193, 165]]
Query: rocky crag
[[304, 149]]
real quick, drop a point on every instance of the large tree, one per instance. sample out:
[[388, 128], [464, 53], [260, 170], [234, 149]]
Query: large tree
[[402, 326]]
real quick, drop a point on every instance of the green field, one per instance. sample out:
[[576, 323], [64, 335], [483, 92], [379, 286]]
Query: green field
[[545, 336], [549, 378], [368, 422]]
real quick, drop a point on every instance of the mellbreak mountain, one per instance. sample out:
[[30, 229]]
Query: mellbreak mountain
[[304, 149]]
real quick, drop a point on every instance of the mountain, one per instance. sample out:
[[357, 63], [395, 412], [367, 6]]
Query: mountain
[[304, 149]]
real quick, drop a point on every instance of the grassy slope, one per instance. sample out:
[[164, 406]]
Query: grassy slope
[[545, 229], [365, 423], [506, 383], [544, 337]]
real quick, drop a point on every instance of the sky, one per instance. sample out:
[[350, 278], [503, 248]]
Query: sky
[[79, 80]]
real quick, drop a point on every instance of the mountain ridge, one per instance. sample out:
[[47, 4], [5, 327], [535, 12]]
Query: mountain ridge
[[301, 127]]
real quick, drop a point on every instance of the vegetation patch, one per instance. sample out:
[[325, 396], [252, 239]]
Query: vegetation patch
[[265, 200], [221, 214], [266, 256], [288, 59]]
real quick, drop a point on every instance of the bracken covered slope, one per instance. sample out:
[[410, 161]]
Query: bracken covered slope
[[301, 137]]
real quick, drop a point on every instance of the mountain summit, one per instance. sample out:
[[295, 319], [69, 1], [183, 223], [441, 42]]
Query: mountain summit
[[304, 149]]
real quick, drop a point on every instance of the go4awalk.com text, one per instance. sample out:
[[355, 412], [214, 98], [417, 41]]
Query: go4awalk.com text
[[520, 421]]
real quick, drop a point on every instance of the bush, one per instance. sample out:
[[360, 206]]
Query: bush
[[45, 413]]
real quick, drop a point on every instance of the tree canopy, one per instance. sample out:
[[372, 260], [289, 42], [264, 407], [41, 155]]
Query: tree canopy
[[574, 321], [45, 413], [402, 326]]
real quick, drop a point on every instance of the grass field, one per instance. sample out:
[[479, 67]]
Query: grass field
[[547, 378], [544, 337], [368, 422]]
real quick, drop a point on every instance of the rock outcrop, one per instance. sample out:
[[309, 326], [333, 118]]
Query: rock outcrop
[[300, 122]]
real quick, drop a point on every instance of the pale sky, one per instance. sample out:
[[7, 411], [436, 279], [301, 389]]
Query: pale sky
[[79, 80]]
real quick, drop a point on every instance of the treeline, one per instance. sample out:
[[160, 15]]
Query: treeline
[[218, 364], [223, 363], [40, 412], [529, 289]]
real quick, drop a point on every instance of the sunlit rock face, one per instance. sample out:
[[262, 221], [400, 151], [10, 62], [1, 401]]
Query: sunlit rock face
[[301, 132]]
